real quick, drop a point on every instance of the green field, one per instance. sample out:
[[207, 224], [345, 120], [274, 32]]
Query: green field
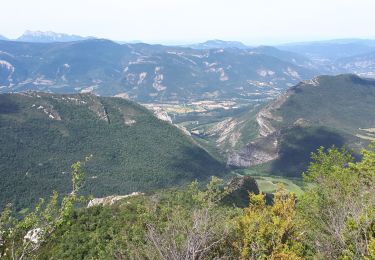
[[268, 183]]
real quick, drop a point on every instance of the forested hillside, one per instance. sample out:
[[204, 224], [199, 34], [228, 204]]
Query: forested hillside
[[132, 150]]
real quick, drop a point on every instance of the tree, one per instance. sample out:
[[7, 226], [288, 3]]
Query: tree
[[22, 237], [338, 210], [192, 233], [269, 231]]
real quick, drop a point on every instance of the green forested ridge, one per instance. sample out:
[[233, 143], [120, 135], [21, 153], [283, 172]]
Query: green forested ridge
[[131, 149], [333, 219], [325, 111], [345, 102], [333, 112]]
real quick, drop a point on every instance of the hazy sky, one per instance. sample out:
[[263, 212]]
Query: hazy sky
[[182, 21]]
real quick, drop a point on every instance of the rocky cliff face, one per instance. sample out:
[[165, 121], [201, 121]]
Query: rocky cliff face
[[227, 132], [265, 147], [261, 150]]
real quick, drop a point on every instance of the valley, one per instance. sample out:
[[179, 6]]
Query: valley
[[251, 132]]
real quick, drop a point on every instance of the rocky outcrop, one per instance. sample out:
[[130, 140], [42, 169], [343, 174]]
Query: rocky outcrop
[[110, 200], [48, 110], [34, 236], [243, 184], [240, 188], [162, 115]]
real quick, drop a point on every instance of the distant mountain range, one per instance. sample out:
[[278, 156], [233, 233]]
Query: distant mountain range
[[362, 64], [331, 48], [146, 73], [43, 134], [46, 37], [157, 73]]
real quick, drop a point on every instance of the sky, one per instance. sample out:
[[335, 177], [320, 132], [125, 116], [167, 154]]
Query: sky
[[188, 21]]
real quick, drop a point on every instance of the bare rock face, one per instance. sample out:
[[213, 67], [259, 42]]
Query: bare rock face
[[33, 235], [98, 108], [302, 122], [263, 149], [227, 132], [266, 116], [110, 200], [162, 115]]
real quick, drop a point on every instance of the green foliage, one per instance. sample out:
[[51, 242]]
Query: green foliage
[[144, 226], [78, 175], [326, 162], [214, 193], [338, 210], [269, 231], [22, 237]]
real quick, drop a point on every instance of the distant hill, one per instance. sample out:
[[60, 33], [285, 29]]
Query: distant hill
[[331, 50], [39, 36], [363, 64], [287, 56], [43, 134], [3, 38], [325, 111], [218, 44]]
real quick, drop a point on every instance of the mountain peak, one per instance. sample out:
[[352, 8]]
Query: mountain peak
[[2, 38], [49, 36]]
